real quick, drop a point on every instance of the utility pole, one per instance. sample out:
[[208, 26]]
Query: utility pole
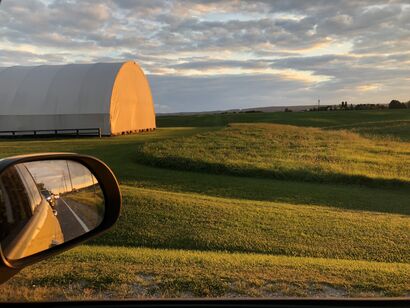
[[69, 175], [63, 183], [318, 104]]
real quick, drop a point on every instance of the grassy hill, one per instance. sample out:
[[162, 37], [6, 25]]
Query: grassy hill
[[285, 152], [242, 210]]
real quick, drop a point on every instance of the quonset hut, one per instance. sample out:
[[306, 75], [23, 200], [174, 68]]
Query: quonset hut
[[114, 97]]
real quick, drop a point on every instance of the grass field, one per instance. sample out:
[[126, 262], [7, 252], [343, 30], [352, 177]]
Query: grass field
[[285, 152], [320, 211], [191, 221], [381, 122], [120, 272]]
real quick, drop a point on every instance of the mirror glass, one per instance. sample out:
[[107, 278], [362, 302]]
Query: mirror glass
[[46, 203]]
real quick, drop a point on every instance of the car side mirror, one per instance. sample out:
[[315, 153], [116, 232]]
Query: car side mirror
[[50, 203]]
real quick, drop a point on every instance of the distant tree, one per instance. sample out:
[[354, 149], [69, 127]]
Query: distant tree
[[288, 110], [395, 104]]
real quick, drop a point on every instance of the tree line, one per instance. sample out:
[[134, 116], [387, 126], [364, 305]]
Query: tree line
[[394, 104]]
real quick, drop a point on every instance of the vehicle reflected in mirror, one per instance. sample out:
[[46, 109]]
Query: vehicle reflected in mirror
[[47, 203]]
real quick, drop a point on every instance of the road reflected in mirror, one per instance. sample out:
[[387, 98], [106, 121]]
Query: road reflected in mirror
[[46, 203]]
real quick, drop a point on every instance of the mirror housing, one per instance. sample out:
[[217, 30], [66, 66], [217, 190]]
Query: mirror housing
[[108, 185]]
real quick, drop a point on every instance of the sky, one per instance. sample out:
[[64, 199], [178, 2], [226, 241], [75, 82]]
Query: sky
[[218, 55], [60, 176]]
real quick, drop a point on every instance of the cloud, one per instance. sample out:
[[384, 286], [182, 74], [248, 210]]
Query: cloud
[[26, 58], [352, 48], [223, 92], [209, 64], [350, 71]]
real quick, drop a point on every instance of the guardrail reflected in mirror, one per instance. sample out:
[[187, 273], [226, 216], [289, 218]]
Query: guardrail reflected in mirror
[[46, 203]]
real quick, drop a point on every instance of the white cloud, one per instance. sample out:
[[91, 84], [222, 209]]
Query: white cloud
[[353, 48]]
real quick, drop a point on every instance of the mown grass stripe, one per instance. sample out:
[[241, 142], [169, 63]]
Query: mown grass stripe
[[190, 221], [96, 272]]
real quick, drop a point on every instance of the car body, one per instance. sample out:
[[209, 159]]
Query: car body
[[49, 196], [41, 230]]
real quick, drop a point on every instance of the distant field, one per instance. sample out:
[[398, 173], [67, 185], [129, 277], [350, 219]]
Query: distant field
[[394, 123], [285, 152], [332, 221]]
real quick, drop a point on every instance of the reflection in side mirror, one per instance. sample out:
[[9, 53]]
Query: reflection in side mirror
[[46, 203]]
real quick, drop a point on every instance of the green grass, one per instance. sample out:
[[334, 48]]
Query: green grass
[[315, 119], [194, 222], [119, 154], [353, 197], [338, 230], [378, 122], [285, 152], [396, 130], [124, 273]]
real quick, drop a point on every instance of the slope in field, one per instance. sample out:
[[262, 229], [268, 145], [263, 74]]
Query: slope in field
[[189, 221], [285, 152]]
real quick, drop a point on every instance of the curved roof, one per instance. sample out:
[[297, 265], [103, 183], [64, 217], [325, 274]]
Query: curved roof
[[57, 89], [115, 97]]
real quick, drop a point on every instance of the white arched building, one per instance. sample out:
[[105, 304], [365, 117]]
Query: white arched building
[[114, 97]]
